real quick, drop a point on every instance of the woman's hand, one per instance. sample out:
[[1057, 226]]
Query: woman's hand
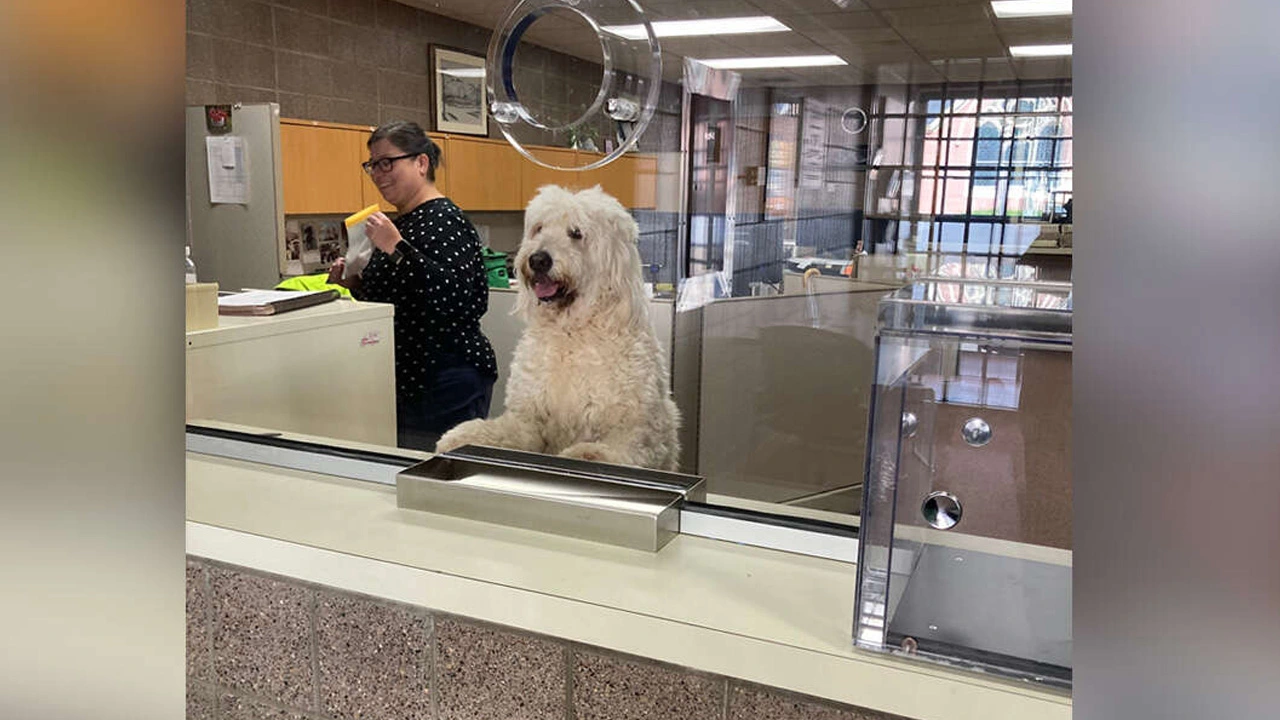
[[336, 271], [382, 232]]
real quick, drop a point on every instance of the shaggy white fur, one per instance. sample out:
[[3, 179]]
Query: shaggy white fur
[[589, 379]]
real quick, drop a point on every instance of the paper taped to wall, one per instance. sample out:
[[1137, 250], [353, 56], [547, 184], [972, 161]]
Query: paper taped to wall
[[228, 170]]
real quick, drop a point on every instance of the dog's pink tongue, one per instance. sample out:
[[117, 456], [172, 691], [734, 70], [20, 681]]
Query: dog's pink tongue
[[545, 289]]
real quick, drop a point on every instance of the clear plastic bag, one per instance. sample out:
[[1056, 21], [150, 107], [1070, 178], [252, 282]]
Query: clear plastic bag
[[359, 249]]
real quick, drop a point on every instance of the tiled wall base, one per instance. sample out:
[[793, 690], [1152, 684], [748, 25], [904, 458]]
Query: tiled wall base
[[262, 647]]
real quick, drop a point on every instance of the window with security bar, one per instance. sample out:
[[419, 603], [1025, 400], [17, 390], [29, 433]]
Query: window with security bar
[[979, 169]]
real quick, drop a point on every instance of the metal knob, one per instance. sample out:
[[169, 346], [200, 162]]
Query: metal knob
[[976, 432], [505, 112], [910, 423], [941, 510], [622, 110]]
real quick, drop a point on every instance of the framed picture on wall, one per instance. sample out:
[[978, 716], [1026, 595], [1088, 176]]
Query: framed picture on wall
[[458, 91]]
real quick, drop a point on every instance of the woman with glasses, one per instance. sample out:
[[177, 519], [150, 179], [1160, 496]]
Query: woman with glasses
[[427, 263]]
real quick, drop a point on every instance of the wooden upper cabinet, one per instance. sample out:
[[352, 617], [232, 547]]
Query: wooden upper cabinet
[[321, 168], [632, 179], [483, 175], [534, 176], [643, 173], [322, 174], [442, 172], [604, 177]]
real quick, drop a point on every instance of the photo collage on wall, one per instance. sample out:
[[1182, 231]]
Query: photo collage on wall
[[312, 244]]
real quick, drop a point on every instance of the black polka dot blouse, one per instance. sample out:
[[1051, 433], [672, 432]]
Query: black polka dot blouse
[[440, 291]]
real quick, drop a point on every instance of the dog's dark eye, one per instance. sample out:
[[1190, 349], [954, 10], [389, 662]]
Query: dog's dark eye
[[575, 233], [536, 229]]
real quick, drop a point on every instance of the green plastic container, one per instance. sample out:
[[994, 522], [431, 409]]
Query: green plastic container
[[495, 265]]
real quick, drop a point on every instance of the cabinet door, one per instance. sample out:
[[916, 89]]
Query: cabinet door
[[442, 172], [643, 171], [632, 179], [483, 175], [321, 169], [604, 177], [534, 176]]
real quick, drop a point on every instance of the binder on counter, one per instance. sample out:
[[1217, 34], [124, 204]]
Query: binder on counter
[[271, 302]]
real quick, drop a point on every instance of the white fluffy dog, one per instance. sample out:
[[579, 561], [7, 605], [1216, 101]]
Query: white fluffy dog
[[589, 379]]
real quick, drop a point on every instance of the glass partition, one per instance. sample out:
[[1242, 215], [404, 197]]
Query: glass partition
[[965, 542], [786, 181]]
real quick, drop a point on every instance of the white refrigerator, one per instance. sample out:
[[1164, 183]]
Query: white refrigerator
[[237, 242]]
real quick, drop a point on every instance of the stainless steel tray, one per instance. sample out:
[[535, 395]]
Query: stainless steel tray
[[614, 504]]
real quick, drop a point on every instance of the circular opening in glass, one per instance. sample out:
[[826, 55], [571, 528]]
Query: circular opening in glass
[[556, 90], [572, 84], [853, 121]]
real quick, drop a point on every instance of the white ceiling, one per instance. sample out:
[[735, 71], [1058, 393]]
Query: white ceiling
[[884, 41]]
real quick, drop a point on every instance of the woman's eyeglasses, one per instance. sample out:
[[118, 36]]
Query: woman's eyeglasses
[[384, 164]]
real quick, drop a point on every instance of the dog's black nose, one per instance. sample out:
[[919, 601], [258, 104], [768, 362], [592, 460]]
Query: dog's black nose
[[540, 261]]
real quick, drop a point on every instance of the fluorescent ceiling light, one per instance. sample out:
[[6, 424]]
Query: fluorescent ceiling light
[[789, 61], [464, 72], [1040, 50], [1030, 8], [687, 28]]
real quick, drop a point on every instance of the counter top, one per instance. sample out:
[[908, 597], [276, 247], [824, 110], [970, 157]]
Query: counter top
[[235, 328], [759, 615]]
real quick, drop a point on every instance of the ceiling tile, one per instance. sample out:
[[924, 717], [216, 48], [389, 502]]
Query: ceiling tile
[[986, 70], [965, 51], [880, 52], [798, 7], [852, 37], [833, 20], [698, 47], [1042, 68], [1035, 35], [963, 30], [923, 73], [772, 44], [937, 15], [1044, 26], [897, 4], [685, 10]]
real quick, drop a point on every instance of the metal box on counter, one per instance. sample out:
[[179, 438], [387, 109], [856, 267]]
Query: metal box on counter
[[613, 504], [965, 539]]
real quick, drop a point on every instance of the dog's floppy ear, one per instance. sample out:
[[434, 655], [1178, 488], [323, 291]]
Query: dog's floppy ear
[[619, 219], [623, 274]]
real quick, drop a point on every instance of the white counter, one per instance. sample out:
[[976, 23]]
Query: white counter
[[759, 615], [327, 370]]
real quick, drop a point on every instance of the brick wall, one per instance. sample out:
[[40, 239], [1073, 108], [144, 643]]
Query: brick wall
[[351, 61]]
